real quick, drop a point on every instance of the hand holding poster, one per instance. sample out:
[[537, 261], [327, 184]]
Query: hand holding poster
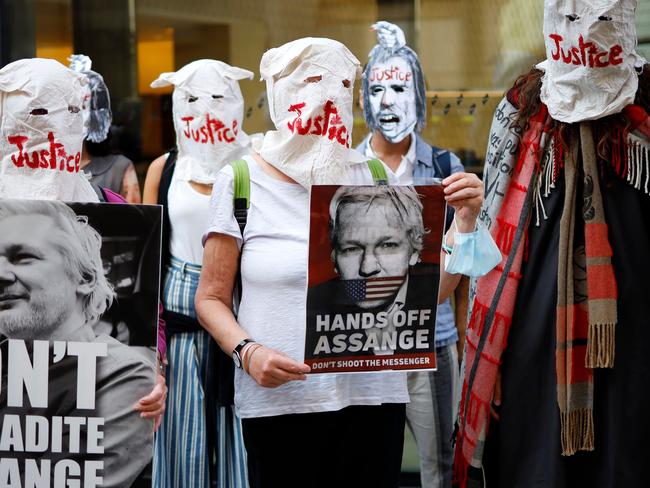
[[73, 279], [374, 267]]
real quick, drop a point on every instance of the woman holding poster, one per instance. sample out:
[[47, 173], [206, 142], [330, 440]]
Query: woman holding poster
[[349, 427]]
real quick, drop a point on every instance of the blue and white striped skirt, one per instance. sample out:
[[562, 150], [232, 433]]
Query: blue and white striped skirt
[[188, 451]]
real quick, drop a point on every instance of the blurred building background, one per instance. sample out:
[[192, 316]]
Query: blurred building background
[[471, 51]]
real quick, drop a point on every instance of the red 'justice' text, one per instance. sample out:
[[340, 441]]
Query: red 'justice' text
[[212, 131], [329, 124], [585, 53], [55, 157], [392, 74]]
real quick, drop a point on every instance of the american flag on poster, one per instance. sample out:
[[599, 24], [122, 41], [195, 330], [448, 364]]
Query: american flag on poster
[[373, 288]]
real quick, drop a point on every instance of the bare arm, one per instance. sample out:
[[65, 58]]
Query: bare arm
[[464, 192], [152, 180], [213, 300]]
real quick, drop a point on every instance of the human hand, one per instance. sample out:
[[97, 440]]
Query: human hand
[[271, 368], [153, 405], [464, 192]]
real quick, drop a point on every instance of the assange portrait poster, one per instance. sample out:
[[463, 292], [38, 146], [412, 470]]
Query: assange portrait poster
[[374, 268], [79, 286]]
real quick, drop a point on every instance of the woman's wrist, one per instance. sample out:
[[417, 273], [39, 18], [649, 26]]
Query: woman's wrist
[[248, 355], [465, 225]]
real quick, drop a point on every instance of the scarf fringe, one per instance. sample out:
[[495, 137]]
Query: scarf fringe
[[601, 345], [545, 182], [637, 170], [577, 431], [505, 236]]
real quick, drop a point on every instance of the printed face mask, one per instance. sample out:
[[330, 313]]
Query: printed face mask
[[41, 132], [85, 108], [82, 64], [392, 98], [590, 66], [208, 110], [311, 106]]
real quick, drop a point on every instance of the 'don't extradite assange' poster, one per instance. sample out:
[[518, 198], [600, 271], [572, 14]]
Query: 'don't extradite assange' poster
[[78, 328]]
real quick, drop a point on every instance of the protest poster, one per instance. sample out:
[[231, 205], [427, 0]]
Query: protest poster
[[374, 267], [79, 286]]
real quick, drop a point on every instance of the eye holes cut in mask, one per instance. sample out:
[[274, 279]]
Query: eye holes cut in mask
[[316, 79], [574, 17], [73, 109], [39, 111], [192, 98]]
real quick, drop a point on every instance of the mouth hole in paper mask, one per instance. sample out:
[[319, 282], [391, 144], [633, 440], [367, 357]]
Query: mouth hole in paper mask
[[346, 83], [192, 99], [73, 110], [39, 111], [572, 17], [217, 97], [313, 79], [605, 18]]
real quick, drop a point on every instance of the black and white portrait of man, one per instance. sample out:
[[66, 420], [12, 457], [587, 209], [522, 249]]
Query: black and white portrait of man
[[53, 291]]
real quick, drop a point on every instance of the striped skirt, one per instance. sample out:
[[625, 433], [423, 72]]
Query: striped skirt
[[197, 443]]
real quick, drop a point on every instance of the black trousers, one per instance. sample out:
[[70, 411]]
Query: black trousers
[[358, 446]]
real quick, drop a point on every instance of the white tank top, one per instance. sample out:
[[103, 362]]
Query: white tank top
[[189, 214]]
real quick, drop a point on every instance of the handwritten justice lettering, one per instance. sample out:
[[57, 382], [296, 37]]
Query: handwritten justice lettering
[[55, 157], [329, 124], [392, 74], [585, 53], [212, 131]]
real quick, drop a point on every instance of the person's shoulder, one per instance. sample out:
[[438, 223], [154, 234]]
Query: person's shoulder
[[157, 165], [439, 153], [159, 162], [121, 161]]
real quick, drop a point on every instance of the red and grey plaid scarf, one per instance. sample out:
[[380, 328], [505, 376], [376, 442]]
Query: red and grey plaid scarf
[[585, 321]]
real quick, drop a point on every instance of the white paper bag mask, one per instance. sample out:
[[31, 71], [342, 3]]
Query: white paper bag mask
[[394, 100], [41, 132], [208, 110], [590, 67], [309, 85]]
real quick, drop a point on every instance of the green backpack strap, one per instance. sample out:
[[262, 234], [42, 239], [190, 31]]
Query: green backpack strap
[[378, 172], [242, 192]]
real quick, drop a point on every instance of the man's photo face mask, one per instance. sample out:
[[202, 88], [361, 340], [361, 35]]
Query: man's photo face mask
[[392, 98]]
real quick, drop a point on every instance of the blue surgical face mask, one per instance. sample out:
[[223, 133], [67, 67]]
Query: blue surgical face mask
[[474, 254]]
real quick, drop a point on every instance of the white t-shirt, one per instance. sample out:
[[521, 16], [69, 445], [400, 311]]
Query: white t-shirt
[[403, 175], [189, 210], [272, 308]]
